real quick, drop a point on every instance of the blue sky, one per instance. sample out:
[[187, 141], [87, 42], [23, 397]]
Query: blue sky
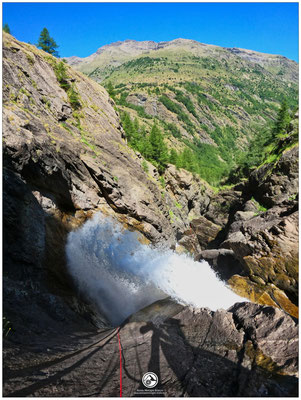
[[81, 28]]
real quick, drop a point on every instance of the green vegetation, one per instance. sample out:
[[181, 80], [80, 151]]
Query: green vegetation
[[172, 128], [144, 166], [171, 216], [151, 146], [60, 70], [259, 207], [121, 100], [46, 102], [64, 125], [73, 97], [175, 108], [269, 143], [203, 160], [221, 110], [283, 120], [6, 28], [30, 59], [162, 182], [110, 89], [199, 158], [47, 43], [181, 98], [6, 326]]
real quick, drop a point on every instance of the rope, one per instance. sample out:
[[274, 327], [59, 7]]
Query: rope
[[120, 363]]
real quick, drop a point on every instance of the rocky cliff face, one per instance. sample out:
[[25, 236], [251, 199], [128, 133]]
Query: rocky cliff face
[[75, 161], [65, 158]]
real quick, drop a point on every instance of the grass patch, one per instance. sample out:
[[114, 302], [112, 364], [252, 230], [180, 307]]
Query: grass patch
[[259, 206]]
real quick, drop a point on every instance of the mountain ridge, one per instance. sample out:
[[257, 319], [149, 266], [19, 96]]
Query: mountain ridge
[[150, 45]]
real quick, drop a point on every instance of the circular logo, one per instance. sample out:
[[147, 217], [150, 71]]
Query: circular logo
[[150, 380]]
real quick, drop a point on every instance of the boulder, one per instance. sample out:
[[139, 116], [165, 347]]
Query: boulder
[[205, 231], [273, 184]]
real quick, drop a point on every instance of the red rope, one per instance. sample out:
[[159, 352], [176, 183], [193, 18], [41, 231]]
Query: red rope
[[120, 363]]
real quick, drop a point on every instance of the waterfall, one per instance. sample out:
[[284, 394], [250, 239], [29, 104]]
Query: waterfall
[[121, 275]]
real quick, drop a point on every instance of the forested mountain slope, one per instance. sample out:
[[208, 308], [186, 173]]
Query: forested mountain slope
[[207, 101]]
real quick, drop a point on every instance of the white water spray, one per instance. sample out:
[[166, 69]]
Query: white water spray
[[121, 275]]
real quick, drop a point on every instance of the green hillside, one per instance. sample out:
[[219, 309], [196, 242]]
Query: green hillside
[[208, 102]]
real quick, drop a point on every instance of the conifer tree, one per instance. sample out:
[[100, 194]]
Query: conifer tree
[[173, 156], [159, 149], [110, 89], [47, 43], [188, 160], [127, 125], [6, 28], [283, 119], [136, 125], [143, 145]]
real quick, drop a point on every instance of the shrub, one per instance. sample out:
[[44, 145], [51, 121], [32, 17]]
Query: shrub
[[73, 97], [162, 182], [62, 76], [144, 166]]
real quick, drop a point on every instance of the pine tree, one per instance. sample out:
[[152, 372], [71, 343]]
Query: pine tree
[[187, 160], [47, 43], [136, 134], [173, 156], [143, 145], [136, 125], [159, 150], [127, 126], [6, 28], [110, 90], [283, 119]]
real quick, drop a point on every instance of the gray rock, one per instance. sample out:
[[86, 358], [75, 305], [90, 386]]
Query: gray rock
[[244, 215], [248, 351], [274, 184]]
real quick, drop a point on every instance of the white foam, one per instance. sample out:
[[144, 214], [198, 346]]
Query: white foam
[[121, 275]]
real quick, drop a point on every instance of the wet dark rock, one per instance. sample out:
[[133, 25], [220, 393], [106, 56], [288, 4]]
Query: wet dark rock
[[223, 261]]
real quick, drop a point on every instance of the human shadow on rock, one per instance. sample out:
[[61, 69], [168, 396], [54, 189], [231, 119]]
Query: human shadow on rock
[[206, 370]]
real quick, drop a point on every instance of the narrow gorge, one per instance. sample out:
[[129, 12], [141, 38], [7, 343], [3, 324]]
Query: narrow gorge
[[198, 281]]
